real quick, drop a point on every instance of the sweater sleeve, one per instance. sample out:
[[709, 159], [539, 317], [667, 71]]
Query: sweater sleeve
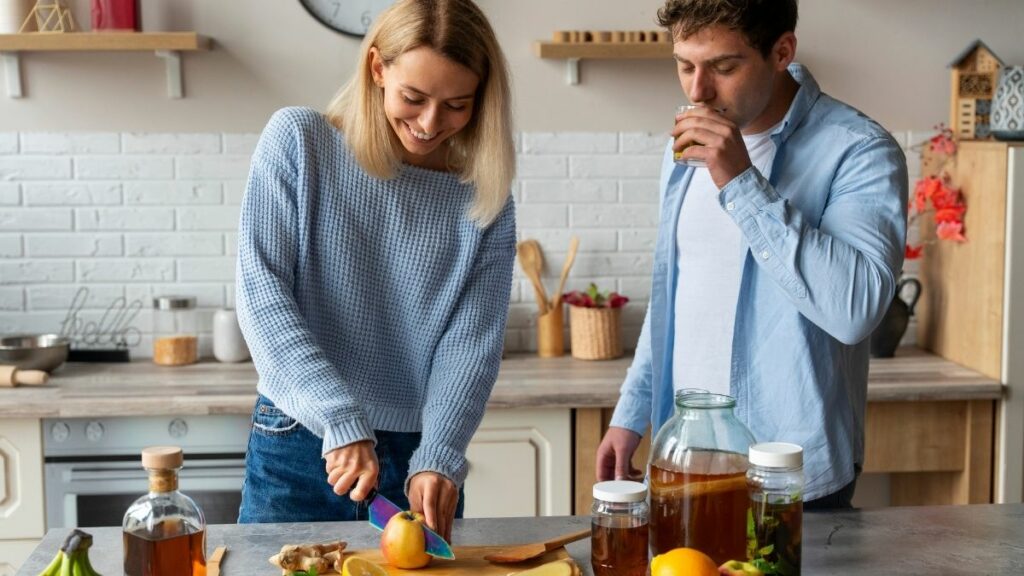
[[294, 371], [468, 356]]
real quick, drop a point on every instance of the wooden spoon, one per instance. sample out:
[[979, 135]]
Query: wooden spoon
[[526, 552], [531, 260], [574, 244]]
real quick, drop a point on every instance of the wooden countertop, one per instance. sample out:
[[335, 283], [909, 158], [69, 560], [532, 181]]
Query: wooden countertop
[[142, 388]]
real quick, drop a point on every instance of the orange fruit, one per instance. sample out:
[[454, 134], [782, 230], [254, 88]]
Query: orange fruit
[[683, 562]]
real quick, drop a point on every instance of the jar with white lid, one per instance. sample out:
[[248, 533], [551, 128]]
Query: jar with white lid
[[775, 482], [619, 525], [175, 330]]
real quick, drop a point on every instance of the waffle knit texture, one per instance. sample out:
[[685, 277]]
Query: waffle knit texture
[[367, 303]]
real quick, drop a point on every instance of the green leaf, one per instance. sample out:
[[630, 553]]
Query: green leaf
[[767, 550]]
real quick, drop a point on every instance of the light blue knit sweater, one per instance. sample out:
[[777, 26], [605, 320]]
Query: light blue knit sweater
[[370, 304]]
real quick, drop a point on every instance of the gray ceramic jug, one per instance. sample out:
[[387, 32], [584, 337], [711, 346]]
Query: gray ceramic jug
[[1007, 118]]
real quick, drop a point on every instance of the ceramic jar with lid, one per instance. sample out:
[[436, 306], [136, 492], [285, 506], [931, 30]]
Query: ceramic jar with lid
[[228, 342]]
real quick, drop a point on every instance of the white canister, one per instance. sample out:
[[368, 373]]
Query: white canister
[[228, 343], [13, 14]]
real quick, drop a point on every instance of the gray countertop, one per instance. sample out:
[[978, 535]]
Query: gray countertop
[[141, 388], [978, 539]]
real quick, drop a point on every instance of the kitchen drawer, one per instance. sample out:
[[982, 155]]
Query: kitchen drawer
[[22, 515], [13, 553], [520, 464]]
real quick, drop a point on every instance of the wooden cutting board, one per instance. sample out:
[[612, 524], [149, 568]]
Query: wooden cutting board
[[468, 560]]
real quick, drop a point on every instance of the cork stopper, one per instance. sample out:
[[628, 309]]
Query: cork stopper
[[162, 458]]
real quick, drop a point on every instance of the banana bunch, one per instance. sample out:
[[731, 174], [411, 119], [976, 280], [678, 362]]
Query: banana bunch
[[73, 557]]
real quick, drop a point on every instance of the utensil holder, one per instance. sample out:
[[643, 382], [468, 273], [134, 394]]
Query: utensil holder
[[551, 333], [595, 333]]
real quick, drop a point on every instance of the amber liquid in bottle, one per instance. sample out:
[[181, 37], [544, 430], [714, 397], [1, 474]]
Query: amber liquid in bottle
[[619, 551], [154, 555], [706, 511]]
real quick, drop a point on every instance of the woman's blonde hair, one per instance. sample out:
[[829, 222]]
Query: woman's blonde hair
[[482, 153]]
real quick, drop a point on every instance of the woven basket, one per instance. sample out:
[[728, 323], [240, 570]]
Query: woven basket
[[594, 333]]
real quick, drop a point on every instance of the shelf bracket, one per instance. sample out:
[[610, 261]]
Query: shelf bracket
[[12, 70], [572, 71], [172, 58]]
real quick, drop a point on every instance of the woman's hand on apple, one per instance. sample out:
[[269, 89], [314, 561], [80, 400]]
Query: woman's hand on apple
[[436, 497], [353, 465]]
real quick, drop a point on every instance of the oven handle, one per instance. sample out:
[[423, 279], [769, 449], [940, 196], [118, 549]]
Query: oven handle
[[118, 471]]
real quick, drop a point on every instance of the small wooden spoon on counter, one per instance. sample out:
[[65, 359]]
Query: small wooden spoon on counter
[[525, 552]]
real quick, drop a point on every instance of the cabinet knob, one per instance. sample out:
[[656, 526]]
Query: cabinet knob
[[94, 431], [178, 428], [60, 432]]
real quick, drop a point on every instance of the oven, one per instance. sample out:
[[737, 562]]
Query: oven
[[93, 469]]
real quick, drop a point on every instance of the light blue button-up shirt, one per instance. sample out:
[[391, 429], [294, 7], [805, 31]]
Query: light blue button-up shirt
[[826, 236]]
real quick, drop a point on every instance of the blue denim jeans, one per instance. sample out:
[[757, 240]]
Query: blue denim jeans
[[285, 477]]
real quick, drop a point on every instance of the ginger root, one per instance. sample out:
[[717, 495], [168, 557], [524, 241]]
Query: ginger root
[[303, 557]]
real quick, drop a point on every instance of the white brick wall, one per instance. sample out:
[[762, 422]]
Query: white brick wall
[[136, 215]]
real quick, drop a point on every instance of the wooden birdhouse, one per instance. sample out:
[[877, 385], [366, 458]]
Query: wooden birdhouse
[[975, 72]]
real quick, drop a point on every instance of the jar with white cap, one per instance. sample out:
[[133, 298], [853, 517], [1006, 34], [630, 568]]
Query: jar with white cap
[[619, 529], [775, 482]]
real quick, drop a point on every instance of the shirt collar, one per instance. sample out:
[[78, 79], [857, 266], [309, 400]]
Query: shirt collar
[[804, 100]]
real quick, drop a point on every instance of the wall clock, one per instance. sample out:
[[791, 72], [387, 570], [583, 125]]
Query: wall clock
[[352, 17]]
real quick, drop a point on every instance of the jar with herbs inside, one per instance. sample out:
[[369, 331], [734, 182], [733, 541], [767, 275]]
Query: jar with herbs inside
[[775, 482]]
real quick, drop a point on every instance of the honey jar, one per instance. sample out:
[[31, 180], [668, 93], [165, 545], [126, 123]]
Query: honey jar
[[619, 525]]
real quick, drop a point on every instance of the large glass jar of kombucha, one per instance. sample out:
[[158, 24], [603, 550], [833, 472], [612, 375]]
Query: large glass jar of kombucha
[[698, 480], [164, 531]]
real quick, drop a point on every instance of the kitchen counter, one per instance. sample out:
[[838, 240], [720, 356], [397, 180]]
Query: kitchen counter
[[142, 388], [979, 539]]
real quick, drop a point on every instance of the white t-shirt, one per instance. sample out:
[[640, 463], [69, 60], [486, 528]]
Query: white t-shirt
[[710, 251]]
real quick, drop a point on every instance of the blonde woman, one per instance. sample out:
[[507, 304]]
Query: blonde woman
[[375, 264]]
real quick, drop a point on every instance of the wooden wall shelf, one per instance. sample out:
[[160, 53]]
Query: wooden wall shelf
[[573, 52], [166, 45]]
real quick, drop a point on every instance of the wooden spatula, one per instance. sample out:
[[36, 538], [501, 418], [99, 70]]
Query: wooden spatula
[[525, 552], [531, 260]]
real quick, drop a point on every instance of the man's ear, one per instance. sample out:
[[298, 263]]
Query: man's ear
[[784, 51], [376, 66]]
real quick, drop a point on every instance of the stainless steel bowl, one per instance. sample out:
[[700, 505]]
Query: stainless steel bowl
[[34, 351]]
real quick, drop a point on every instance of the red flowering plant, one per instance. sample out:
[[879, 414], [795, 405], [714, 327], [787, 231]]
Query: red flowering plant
[[935, 193], [594, 298]]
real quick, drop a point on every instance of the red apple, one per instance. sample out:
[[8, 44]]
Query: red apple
[[403, 543]]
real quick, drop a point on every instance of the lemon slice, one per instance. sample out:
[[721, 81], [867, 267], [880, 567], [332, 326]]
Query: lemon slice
[[356, 566]]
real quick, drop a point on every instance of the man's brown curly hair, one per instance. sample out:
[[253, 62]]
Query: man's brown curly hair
[[761, 21]]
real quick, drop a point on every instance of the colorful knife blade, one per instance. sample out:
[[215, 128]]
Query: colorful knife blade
[[381, 510]]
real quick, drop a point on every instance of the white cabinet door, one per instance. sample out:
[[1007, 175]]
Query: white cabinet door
[[14, 553], [21, 479], [520, 464]]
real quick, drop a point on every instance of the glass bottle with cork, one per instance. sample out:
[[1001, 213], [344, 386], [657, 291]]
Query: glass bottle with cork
[[697, 476], [164, 531], [619, 532], [775, 482]]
